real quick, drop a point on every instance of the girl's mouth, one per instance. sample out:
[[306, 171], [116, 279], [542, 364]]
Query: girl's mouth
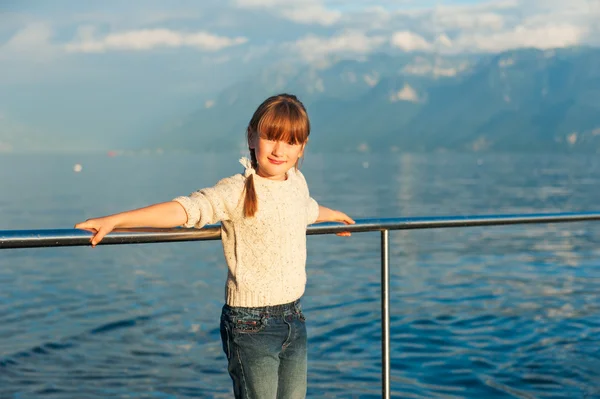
[[274, 162]]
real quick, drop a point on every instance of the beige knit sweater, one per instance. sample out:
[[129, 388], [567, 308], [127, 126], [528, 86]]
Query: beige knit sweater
[[265, 254]]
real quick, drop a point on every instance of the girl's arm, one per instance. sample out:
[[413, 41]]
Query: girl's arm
[[165, 214], [331, 215]]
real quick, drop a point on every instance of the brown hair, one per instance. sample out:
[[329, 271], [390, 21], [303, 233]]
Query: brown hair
[[279, 118]]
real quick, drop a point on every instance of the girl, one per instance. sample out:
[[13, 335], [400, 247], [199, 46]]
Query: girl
[[264, 213]]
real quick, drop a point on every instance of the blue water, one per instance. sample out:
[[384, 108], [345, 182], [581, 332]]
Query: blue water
[[494, 312]]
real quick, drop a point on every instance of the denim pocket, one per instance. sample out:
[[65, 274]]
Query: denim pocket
[[248, 324]]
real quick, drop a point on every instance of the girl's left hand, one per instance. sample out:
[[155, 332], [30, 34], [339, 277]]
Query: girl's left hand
[[342, 218]]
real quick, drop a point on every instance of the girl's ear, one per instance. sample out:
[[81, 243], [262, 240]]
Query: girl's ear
[[252, 139]]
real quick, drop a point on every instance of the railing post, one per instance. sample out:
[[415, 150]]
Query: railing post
[[385, 315]]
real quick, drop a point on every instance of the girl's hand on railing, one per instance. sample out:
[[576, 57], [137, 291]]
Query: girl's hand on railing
[[330, 215], [162, 215], [343, 218], [99, 227]]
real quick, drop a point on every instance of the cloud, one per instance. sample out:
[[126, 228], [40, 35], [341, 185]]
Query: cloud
[[541, 37], [313, 48], [147, 39], [433, 26], [490, 26], [409, 41], [449, 19], [312, 14], [498, 26], [300, 11]]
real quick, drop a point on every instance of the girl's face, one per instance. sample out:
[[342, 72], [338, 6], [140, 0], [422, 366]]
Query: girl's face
[[275, 158]]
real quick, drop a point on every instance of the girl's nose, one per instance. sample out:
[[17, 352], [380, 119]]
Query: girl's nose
[[278, 149]]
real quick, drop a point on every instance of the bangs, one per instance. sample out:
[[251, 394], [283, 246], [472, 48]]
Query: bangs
[[284, 122]]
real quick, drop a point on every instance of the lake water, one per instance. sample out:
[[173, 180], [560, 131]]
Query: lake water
[[487, 312]]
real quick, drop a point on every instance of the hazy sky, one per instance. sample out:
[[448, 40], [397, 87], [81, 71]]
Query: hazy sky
[[112, 66]]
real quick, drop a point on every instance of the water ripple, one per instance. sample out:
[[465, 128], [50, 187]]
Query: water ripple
[[511, 311]]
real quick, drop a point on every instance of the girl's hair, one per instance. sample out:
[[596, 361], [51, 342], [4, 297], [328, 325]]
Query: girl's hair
[[279, 118]]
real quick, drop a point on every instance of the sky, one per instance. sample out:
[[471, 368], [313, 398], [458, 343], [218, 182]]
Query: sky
[[104, 69]]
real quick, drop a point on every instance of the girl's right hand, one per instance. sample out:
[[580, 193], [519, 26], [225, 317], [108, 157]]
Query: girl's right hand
[[164, 215], [100, 227]]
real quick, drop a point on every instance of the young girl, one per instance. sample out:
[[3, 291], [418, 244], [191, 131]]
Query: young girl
[[264, 213]]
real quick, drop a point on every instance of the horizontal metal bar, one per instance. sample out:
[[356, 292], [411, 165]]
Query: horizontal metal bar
[[74, 237]]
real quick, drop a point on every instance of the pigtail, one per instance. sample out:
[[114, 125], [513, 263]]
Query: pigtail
[[250, 201]]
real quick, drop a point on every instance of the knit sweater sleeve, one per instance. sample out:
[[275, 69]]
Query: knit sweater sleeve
[[213, 204], [312, 207], [313, 211]]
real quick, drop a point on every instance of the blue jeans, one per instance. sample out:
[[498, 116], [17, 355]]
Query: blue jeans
[[266, 350]]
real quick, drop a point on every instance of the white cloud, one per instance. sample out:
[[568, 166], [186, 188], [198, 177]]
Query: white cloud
[[498, 26], [147, 39], [487, 6], [259, 3], [492, 25], [313, 48], [542, 37], [447, 18], [314, 13], [489, 26], [409, 41], [495, 25], [300, 11]]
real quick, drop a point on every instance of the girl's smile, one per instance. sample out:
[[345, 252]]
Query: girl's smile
[[275, 162]]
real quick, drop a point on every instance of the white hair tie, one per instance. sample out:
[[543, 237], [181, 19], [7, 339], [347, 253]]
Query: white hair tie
[[247, 164]]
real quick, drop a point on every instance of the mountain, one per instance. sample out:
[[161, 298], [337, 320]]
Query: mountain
[[221, 123], [524, 100]]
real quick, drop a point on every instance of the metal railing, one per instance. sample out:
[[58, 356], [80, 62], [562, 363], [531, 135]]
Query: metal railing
[[73, 237]]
